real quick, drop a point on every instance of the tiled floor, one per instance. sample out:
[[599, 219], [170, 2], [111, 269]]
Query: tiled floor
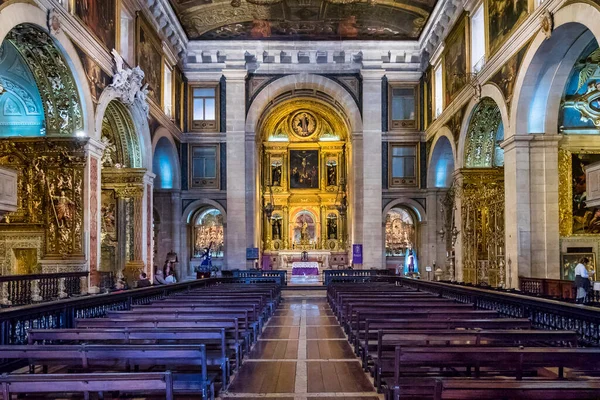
[[302, 354]]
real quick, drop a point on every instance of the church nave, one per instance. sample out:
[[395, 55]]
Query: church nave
[[302, 354]]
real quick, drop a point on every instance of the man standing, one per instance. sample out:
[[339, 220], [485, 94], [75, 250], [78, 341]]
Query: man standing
[[582, 280]]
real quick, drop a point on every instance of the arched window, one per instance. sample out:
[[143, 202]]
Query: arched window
[[209, 231], [399, 232]]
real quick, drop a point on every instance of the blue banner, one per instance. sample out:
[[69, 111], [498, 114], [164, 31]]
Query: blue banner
[[357, 254]]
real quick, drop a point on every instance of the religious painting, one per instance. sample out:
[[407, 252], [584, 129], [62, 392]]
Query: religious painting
[[455, 61], [97, 78], [399, 232], [100, 17], [506, 78], [429, 97], [586, 220], [149, 58], [503, 17], [304, 169], [304, 124], [305, 228], [569, 262]]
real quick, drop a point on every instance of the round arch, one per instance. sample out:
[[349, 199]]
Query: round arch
[[416, 208], [122, 135], [16, 14], [487, 90], [303, 81], [139, 119], [442, 159], [545, 70], [193, 207], [165, 160]]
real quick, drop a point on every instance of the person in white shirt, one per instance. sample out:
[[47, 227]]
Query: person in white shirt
[[170, 278], [582, 280]]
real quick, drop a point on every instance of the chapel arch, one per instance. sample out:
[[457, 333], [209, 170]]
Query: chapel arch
[[304, 150], [479, 198], [441, 164], [123, 184]]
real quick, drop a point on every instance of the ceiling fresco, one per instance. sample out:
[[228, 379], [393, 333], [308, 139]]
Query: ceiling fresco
[[303, 19]]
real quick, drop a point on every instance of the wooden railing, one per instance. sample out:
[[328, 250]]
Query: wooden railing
[[353, 275], [554, 288], [278, 276], [544, 313], [18, 290]]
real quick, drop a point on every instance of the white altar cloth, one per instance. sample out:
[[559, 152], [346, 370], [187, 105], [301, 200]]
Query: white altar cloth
[[305, 268]]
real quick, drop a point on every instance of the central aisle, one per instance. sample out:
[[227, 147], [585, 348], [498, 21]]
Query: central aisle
[[302, 354]]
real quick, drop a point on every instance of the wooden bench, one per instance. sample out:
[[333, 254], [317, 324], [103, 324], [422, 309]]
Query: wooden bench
[[470, 389], [188, 364], [139, 383], [213, 339], [382, 359]]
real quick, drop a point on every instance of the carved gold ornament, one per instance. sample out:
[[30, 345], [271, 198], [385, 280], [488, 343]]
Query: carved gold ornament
[[547, 23], [304, 124]]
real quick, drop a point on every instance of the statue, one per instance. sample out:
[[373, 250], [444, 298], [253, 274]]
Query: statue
[[410, 263], [332, 228], [63, 209], [128, 83], [304, 231]]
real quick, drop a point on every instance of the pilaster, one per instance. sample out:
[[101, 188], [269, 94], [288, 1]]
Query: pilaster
[[371, 169], [236, 234]]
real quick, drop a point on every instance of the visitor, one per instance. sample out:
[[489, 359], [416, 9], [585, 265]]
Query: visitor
[[143, 281], [170, 278], [582, 280], [159, 278]]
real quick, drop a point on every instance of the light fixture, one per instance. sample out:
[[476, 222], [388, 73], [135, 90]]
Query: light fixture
[[2, 90], [80, 133]]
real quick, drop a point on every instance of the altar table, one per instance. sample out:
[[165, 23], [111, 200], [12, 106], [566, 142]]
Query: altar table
[[305, 268]]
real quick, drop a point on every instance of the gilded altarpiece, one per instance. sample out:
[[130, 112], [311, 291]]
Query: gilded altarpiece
[[49, 218], [303, 175], [481, 198]]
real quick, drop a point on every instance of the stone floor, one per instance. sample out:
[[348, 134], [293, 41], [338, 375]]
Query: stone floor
[[302, 354]]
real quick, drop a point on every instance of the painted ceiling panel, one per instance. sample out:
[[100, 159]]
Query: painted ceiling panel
[[303, 19]]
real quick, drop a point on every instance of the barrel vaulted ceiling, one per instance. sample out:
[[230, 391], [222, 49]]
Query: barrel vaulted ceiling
[[303, 19]]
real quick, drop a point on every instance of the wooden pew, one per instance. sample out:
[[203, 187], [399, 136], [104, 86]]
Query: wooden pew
[[231, 326], [213, 339], [188, 364], [358, 324], [140, 383], [383, 358], [470, 389]]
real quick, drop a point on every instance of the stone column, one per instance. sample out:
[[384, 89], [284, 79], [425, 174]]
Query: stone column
[[545, 236], [236, 236], [176, 227], [517, 214], [373, 247]]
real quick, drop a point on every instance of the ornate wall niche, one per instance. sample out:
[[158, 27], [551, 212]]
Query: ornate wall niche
[[57, 87], [484, 134], [19, 239]]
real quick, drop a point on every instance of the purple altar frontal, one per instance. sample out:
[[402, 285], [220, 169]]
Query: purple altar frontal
[[305, 271]]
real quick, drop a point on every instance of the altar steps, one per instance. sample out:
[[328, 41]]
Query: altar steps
[[293, 286]]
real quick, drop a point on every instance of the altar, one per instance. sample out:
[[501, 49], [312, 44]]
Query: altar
[[304, 268]]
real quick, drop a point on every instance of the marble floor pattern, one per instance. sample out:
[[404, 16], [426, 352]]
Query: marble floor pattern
[[302, 354]]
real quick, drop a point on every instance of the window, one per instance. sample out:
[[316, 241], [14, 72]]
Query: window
[[404, 165], [402, 107], [204, 104], [126, 36], [439, 91], [477, 40], [168, 92], [205, 167]]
